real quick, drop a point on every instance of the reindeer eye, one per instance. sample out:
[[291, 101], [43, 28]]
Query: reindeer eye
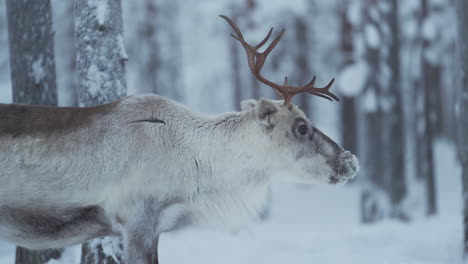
[[302, 129]]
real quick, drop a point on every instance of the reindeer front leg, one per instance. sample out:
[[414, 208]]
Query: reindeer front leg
[[141, 247], [149, 219]]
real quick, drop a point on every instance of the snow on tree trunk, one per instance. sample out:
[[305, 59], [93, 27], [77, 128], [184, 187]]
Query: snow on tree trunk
[[33, 75], [101, 61], [462, 108], [384, 157], [101, 54]]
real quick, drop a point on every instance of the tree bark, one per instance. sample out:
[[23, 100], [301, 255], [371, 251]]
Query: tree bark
[[425, 129], [31, 52], [348, 106], [304, 71], [32, 66], [462, 108], [101, 61], [100, 50], [384, 158], [394, 119]]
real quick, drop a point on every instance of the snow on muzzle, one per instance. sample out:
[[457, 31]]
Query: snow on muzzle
[[346, 166]]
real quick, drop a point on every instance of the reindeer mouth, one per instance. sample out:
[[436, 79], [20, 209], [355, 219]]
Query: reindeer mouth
[[346, 167]]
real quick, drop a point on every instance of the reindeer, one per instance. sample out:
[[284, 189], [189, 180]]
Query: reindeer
[[145, 165]]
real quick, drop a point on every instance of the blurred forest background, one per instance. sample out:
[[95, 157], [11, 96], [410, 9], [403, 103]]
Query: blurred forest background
[[397, 70]]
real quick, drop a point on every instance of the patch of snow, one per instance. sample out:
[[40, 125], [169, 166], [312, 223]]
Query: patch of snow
[[102, 10], [384, 6], [429, 30], [371, 36], [410, 27], [352, 78], [38, 71], [354, 13], [387, 103], [369, 101], [110, 245], [95, 79], [122, 52]]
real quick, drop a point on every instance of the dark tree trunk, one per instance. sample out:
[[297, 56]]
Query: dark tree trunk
[[348, 104], [31, 52], [251, 87], [394, 119], [462, 113], [374, 195], [33, 75], [101, 61], [426, 124], [384, 157], [302, 61], [234, 53]]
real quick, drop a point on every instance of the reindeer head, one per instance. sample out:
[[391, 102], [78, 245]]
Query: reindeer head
[[301, 149]]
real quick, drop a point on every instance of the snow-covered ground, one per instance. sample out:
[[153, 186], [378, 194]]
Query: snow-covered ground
[[320, 224]]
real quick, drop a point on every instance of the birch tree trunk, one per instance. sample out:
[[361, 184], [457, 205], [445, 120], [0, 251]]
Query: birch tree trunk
[[33, 75], [462, 108], [100, 61], [100, 50]]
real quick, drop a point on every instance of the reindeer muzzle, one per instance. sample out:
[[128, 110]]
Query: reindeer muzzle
[[346, 168]]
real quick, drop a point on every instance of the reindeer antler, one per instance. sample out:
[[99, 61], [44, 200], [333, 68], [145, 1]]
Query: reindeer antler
[[257, 59]]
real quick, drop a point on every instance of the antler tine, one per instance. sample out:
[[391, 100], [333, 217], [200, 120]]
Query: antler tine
[[312, 82], [256, 60], [261, 43], [262, 56], [322, 91], [234, 26]]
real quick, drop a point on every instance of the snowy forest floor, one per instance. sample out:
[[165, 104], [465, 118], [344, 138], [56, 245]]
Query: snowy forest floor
[[320, 224]]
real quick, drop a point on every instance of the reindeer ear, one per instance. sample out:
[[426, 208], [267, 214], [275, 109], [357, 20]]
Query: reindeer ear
[[248, 104], [265, 111]]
